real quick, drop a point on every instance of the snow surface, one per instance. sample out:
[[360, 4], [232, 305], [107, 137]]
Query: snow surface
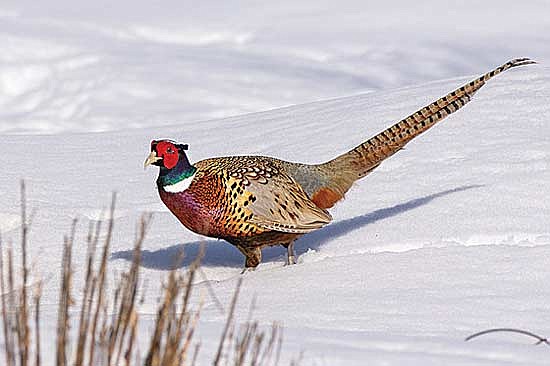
[[104, 65], [448, 237]]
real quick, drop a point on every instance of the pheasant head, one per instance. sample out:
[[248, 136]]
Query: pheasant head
[[176, 172]]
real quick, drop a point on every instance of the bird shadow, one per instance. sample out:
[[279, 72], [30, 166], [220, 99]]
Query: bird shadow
[[221, 254]]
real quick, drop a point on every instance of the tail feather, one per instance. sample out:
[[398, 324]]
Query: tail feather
[[361, 160]]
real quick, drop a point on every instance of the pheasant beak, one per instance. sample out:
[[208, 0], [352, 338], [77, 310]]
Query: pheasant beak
[[151, 159]]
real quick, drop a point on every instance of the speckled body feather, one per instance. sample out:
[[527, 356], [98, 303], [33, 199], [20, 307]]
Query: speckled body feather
[[254, 201], [250, 201]]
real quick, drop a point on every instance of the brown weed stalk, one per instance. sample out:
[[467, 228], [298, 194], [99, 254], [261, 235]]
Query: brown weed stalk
[[106, 327]]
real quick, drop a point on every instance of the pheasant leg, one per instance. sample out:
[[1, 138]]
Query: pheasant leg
[[253, 257], [291, 256]]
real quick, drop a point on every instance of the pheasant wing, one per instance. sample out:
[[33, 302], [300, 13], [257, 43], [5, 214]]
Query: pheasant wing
[[282, 205], [279, 202]]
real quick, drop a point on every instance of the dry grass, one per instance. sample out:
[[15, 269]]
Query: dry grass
[[106, 324]]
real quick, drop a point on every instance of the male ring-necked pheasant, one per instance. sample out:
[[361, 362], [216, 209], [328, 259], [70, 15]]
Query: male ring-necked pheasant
[[256, 201]]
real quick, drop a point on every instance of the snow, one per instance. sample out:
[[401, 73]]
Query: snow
[[78, 67], [448, 237]]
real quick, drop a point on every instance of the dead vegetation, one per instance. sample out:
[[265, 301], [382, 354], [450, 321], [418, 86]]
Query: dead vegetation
[[104, 328]]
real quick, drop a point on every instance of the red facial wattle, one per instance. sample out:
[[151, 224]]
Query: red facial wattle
[[168, 152]]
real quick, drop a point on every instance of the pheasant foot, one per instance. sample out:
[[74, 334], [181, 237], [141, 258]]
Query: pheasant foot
[[248, 270]]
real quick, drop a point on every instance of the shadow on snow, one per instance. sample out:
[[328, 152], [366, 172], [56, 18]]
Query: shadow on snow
[[220, 253]]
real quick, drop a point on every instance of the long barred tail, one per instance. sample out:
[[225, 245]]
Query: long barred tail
[[358, 162]]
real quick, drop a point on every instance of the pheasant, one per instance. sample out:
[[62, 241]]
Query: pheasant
[[258, 201]]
